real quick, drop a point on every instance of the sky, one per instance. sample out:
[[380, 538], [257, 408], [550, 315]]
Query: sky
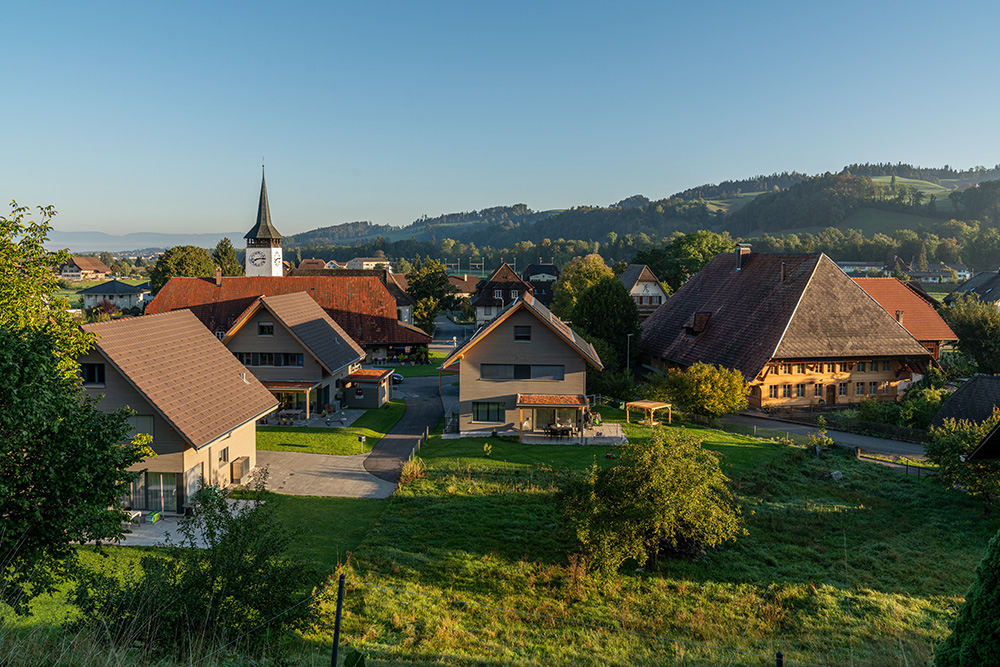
[[155, 117]]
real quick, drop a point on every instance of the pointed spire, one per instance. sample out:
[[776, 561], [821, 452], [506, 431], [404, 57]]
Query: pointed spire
[[263, 229]]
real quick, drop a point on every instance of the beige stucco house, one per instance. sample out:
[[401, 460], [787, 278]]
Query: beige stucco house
[[198, 403], [297, 351], [525, 372]]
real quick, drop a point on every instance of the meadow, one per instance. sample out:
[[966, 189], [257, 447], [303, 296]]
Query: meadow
[[373, 424], [466, 565]]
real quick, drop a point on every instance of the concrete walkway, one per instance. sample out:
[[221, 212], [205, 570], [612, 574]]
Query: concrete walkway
[[866, 443], [327, 475]]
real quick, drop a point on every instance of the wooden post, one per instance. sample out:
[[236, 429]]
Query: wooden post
[[307, 404], [520, 424]]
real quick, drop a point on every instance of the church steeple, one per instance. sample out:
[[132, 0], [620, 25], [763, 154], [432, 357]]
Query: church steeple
[[263, 256], [263, 229]]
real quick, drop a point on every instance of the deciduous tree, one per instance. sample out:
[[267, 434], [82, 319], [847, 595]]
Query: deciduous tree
[[668, 494], [577, 275], [975, 637], [182, 260], [702, 389], [950, 443], [606, 311], [977, 326]]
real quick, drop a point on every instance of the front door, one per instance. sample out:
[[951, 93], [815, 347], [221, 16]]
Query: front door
[[831, 394]]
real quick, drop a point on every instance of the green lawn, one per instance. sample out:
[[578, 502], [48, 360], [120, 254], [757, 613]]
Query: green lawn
[[862, 571], [373, 425], [423, 370]]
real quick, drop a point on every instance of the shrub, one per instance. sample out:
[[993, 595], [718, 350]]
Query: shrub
[[948, 446], [192, 597], [702, 389], [975, 638], [669, 494]]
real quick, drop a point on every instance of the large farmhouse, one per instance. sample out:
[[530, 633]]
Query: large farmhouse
[[797, 328]]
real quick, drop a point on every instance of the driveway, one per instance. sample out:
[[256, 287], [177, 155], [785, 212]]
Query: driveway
[[328, 475], [423, 410], [866, 443]]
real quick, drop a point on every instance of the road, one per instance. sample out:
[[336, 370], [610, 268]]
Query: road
[[866, 443], [423, 410]]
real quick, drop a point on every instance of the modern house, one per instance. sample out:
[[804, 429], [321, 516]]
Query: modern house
[[362, 305], [911, 308], [799, 330], [542, 278], [119, 294], [189, 393], [985, 286], [644, 288], [495, 293], [974, 401], [296, 351], [369, 263], [80, 268], [525, 372]]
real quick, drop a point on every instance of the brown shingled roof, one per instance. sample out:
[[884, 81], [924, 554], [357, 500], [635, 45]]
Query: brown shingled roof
[[504, 279], [754, 316], [361, 305], [916, 315], [185, 373], [86, 263], [310, 325]]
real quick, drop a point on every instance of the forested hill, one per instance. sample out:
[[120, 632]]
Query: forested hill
[[346, 233]]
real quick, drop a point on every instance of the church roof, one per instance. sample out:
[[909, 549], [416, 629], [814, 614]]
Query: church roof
[[264, 229]]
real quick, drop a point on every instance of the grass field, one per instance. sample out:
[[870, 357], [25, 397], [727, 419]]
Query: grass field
[[373, 425], [423, 370], [466, 566]]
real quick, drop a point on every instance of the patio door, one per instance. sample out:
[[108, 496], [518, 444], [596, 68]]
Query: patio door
[[161, 491]]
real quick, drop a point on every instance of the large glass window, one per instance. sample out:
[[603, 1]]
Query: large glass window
[[488, 412], [521, 372], [154, 492]]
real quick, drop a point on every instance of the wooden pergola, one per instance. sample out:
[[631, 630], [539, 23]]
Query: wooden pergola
[[649, 407]]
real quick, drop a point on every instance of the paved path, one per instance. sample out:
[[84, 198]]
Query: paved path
[[866, 443], [328, 475], [423, 410]]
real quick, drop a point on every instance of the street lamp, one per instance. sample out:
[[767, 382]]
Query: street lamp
[[628, 353]]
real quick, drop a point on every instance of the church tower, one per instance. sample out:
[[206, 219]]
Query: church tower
[[263, 242]]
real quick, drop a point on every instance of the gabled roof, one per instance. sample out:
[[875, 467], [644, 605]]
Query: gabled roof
[[363, 306], [503, 278], [915, 314], [973, 401], [309, 325], [742, 318], [185, 373], [536, 269], [312, 263], [88, 263], [263, 229], [396, 283], [113, 288], [531, 305], [636, 273], [465, 284], [985, 285]]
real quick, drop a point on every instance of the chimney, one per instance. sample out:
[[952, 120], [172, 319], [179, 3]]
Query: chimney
[[218, 276], [742, 254], [899, 316], [784, 272]]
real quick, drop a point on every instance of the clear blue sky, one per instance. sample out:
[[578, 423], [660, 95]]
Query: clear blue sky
[[137, 116]]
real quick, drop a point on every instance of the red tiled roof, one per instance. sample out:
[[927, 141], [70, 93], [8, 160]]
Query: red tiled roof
[[369, 374], [361, 305], [551, 399], [917, 316], [312, 264]]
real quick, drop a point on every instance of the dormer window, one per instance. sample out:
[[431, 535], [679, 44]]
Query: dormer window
[[498, 294], [513, 294]]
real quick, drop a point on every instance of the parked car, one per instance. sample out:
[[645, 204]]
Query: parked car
[[396, 378]]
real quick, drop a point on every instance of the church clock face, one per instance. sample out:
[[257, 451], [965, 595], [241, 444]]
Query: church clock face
[[257, 258], [277, 260]]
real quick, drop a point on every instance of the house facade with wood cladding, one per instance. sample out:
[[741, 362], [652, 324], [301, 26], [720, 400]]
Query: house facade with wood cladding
[[795, 325]]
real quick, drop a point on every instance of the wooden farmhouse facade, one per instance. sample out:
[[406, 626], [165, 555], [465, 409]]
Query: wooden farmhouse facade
[[795, 325]]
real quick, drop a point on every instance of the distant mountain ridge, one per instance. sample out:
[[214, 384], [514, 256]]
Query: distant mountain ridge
[[99, 241]]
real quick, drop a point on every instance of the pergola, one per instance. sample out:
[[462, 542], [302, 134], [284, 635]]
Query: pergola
[[291, 387], [649, 407]]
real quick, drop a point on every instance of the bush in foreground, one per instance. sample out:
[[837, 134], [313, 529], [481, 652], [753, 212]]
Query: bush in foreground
[[702, 389], [239, 587], [669, 494], [975, 639]]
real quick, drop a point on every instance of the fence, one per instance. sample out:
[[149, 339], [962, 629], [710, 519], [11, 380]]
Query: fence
[[421, 439]]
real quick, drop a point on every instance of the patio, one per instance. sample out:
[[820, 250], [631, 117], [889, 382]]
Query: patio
[[339, 419], [606, 434]]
